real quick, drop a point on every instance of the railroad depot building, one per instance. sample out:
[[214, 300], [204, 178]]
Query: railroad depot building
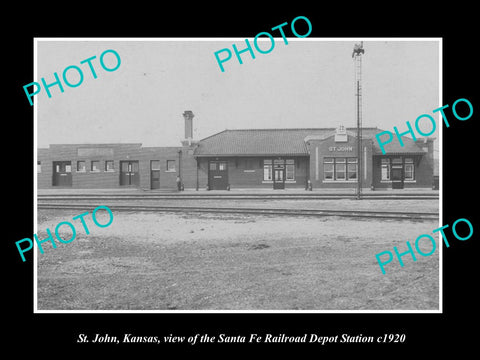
[[241, 159]]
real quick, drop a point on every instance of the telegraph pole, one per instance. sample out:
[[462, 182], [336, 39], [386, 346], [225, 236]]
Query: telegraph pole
[[357, 56]]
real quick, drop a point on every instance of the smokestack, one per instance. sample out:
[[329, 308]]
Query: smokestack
[[188, 115]]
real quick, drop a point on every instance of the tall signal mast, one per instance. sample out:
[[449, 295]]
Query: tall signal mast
[[357, 57]]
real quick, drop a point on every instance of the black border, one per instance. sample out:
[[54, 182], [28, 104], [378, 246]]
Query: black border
[[427, 333]]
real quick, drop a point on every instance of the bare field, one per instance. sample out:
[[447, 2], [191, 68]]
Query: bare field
[[167, 261]]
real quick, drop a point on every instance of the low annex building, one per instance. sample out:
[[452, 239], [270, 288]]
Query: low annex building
[[250, 158]]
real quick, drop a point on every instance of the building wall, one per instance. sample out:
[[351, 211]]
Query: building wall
[[328, 148], [247, 172], [167, 178], [423, 164], [423, 172], [202, 173], [188, 171], [44, 170], [243, 172], [368, 166], [102, 153], [426, 164]]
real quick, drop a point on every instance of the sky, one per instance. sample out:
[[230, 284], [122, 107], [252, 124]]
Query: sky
[[308, 83]]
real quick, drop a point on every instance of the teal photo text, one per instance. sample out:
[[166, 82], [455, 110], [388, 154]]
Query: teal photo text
[[73, 75], [428, 126], [65, 225], [224, 55], [425, 241]]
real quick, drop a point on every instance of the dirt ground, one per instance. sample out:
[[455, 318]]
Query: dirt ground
[[170, 261]]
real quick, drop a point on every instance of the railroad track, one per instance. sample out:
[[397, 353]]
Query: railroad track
[[250, 211], [174, 196]]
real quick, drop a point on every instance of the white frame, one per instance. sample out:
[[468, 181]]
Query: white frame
[[412, 178], [84, 167], [270, 168], [174, 166], [91, 166], [388, 166], [36, 40], [109, 170], [293, 172]]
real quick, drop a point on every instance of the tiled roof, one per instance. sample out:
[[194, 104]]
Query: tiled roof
[[394, 147], [255, 142]]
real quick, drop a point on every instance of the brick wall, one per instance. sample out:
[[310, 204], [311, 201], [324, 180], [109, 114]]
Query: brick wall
[[322, 148], [202, 173], [102, 153], [247, 172], [423, 172], [163, 154], [423, 165], [244, 172], [188, 167], [44, 177]]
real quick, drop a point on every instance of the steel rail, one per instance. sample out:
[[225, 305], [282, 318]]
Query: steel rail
[[260, 211]]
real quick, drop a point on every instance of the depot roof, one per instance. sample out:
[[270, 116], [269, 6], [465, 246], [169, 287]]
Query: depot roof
[[288, 142]]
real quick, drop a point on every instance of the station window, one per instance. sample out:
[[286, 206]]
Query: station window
[[155, 165], [213, 166], [267, 170], [109, 165], [222, 166], [39, 167], [134, 166], [409, 169], [328, 167], [352, 168], [290, 169], [171, 165], [340, 169], [386, 169], [81, 166], [95, 166]]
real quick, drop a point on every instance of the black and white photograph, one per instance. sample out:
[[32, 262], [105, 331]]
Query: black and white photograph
[[221, 179], [259, 187]]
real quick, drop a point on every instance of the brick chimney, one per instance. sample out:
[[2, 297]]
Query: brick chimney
[[188, 116]]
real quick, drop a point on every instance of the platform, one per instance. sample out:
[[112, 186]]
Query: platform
[[133, 191]]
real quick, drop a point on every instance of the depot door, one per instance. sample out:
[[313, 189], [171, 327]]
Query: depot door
[[218, 175], [279, 174], [129, 174], [62, 173], [155, 174], [397, 177]]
